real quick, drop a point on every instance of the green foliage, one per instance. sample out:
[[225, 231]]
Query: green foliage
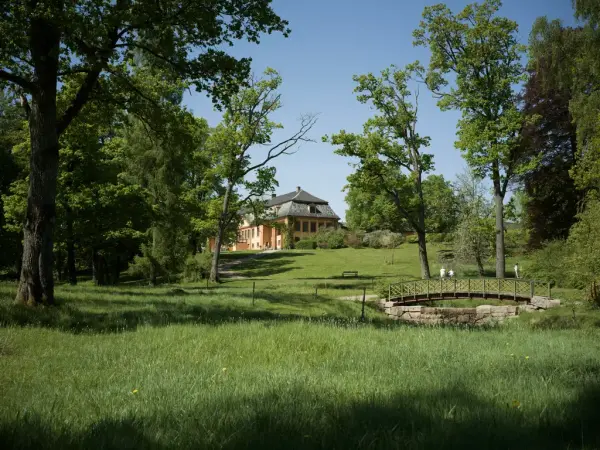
[[549, 263], [328, 238], [439, 238], [389, 151], [197, 267], [146, 267], [441, 205], [353, 239], [412, 239], [368, 211], [576, 261], [243, 148], [474, 236], [584, 239], [569, 59], [480, 53], [288, 233], [383, 239], [306, 244]]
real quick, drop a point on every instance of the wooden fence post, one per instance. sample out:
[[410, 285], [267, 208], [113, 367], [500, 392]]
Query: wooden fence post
[[362, 316], [469, 288], [515, 296], [531, 290], [253, 288]]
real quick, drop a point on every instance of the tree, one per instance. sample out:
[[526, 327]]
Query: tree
[[441, 204], [389, 145], [481, 52], [246, 128], [369, 211], [50, 42], [552, 197], [474, 235], [11, 131]]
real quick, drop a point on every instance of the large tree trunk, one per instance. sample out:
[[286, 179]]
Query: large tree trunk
[[70, 248], [223, 222], [423, 255], [36, 284], [421, 228], [500, 263]]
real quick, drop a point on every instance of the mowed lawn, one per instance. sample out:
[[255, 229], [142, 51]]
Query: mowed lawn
[[189, 367]]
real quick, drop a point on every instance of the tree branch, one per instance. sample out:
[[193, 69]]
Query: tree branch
[[18, 80], [89, 82], [307, 123]]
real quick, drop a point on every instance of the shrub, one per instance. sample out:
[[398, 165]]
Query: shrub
[[197, 267], [146, 267], [438, 238], [306, 244], [413, 239], [327, 238], [549, 263], [383, 239], [353, 239]]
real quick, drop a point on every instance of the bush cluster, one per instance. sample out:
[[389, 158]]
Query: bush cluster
[[382, 239]]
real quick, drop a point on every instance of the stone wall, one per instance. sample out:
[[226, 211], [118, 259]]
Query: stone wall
[[483, 314]]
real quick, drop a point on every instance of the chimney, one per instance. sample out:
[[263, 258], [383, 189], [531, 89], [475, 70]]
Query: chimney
[[298, 189], [273, 195]]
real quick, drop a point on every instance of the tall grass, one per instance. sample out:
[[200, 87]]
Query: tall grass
[[300, 385], [193, 367]]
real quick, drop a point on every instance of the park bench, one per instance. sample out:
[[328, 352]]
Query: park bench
[[350, 272]]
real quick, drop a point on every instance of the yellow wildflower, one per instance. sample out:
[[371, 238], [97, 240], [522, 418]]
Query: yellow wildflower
[[135, 391]]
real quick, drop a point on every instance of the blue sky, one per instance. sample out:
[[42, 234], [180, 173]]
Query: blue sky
[[332, 40]]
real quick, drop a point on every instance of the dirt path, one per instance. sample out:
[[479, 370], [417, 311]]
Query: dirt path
[[358, 298]]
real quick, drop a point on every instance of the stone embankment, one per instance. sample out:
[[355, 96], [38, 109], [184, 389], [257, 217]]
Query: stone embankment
[[483, 314]]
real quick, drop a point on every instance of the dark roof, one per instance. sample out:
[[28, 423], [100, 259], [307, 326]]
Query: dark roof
[[296, 196]]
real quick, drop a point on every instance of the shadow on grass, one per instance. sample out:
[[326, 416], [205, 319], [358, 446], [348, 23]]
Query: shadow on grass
[[451, 418], [127, 314]]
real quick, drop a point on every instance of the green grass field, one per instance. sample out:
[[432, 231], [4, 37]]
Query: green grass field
[[183, 366]]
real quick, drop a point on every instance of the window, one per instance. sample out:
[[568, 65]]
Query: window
[[313, 227], [296, 239], [321, 224], [298, 225], [305, 227], [313, 209], [252, 232], [257, 231]]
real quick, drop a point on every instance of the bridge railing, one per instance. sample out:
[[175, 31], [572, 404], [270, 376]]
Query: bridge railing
[[470, 287]]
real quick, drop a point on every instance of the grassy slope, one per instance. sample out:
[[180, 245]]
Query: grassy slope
[[214, 371]]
